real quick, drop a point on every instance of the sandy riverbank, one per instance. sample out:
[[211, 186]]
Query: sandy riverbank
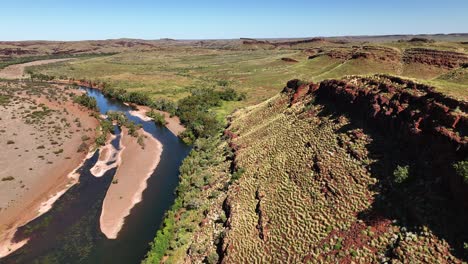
[[136, 166], [41, 160], [172, 123]]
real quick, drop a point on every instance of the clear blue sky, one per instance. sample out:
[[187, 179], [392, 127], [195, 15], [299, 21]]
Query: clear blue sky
[[202, 19]]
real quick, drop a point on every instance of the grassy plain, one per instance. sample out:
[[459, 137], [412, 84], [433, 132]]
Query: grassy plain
[[171, 72]]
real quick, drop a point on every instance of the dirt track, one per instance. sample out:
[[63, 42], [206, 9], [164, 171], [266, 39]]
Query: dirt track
[[16, 71]]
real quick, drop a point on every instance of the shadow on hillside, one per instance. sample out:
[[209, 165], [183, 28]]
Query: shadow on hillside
[[424, 199]]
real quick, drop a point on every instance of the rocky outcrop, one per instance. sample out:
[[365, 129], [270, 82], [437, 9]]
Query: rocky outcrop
[[413, 113], [418, 40], [365, 52], [255, 42], [289, 43], [297, 42], [17, 51], [405, 106], [439, 58]]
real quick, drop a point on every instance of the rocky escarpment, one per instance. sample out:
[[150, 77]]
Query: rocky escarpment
[[429, 121], [366, 52], [17, 51], [417, 40], [440, 58], [352, 170], [290, 43]]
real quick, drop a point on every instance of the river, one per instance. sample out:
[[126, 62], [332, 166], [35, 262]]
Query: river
[[70, 231]]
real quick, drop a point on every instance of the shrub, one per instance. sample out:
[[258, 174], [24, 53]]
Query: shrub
[[237, 174], [101, 140], [58, 151], [164, 105], [8, 178], [4, 99], [141, 141], [192, 204], [229, 94], [212, 258], [461, 168], [83, 147], [401, 174], [223, 83], [338, 244], [9, 142], [157, 117], [105, 128], [86, 101]]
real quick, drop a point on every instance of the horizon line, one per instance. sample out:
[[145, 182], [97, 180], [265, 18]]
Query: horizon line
[[239, 38]]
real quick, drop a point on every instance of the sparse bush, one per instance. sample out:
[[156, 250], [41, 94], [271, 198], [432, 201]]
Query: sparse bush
[[141, 141], [8, 178], [83, 147], [58, 151], [401, 174]]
